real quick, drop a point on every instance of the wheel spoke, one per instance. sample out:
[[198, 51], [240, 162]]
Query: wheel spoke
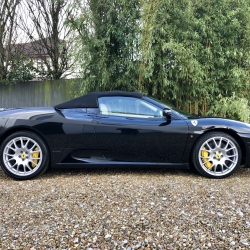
[[219, 145], [230, 149], [204, 157], [11, 148], [22, 145], [209, 147], [27, 166], [14, 165], [34, 162], [204, 163], [208, 167], [222, 168], [9, 160], [38, 151], [34, 145], [214, 142], [231, 160], [9, 154], [232, 155], [215, 168], [226, 144], [26, 144], [15, 144]]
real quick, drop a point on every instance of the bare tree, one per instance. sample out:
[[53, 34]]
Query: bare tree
[[8, 36], [50, 38]]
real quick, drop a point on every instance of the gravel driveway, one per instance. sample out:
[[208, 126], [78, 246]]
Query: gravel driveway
[[125, 209]]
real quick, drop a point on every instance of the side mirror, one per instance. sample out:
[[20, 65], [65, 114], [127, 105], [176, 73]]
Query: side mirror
[[167, 113]]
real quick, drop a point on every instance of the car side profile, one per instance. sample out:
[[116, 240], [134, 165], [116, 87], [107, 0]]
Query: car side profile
[[119, 128]]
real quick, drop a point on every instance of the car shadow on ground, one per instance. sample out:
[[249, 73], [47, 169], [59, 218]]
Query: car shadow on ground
[[141, 170], [119, 169], [124, 170], [114, 170]]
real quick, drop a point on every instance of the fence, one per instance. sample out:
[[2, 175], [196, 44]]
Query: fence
[[36, 94]]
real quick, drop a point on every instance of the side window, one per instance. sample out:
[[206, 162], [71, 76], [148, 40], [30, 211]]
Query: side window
[[128, 107]]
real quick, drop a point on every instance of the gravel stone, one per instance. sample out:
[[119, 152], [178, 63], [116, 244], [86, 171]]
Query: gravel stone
[[125, 209]]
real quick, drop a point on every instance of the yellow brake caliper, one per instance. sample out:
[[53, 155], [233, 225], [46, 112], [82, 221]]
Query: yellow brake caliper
[[205, 153], [35, 155]]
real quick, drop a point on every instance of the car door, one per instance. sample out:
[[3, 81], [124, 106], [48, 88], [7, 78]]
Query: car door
[[133, 130]]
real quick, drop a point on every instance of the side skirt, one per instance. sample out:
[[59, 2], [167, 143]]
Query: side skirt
[[117, 163]]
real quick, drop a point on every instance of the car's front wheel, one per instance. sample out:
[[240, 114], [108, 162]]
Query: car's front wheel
[[216, 155], [24, 155]]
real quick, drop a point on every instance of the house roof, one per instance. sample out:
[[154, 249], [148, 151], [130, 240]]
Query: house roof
[[38, 48]]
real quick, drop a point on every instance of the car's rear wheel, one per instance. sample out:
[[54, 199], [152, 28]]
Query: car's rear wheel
[[216, 155], [24, 155]]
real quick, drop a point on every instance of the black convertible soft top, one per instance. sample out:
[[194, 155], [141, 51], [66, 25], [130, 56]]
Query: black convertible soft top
[[91, 100]]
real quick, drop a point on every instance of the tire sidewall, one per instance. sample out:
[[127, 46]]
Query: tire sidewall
[[45, 159]]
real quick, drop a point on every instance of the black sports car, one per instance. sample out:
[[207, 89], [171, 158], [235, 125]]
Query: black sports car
[[118, 127]]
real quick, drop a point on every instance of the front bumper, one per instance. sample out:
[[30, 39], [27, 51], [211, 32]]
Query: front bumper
[[246, 155]]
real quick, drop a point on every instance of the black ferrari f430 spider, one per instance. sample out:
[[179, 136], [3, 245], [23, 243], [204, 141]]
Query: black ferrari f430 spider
[[121, 128]]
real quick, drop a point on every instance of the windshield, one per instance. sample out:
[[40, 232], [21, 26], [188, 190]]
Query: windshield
[[180, 112]]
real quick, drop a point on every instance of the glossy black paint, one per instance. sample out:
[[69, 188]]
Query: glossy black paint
[[84, 136], [130, 139]]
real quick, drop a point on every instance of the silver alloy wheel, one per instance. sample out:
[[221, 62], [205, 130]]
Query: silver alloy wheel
[[22, 156], [218, 156]]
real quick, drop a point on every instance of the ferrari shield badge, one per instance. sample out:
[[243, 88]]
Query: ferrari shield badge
[[194, 122]]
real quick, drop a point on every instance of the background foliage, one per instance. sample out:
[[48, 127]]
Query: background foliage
[[192, 53], [108, 43]]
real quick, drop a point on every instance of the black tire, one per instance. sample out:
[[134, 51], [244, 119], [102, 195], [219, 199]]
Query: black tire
[[216, 155], [24, 155]]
